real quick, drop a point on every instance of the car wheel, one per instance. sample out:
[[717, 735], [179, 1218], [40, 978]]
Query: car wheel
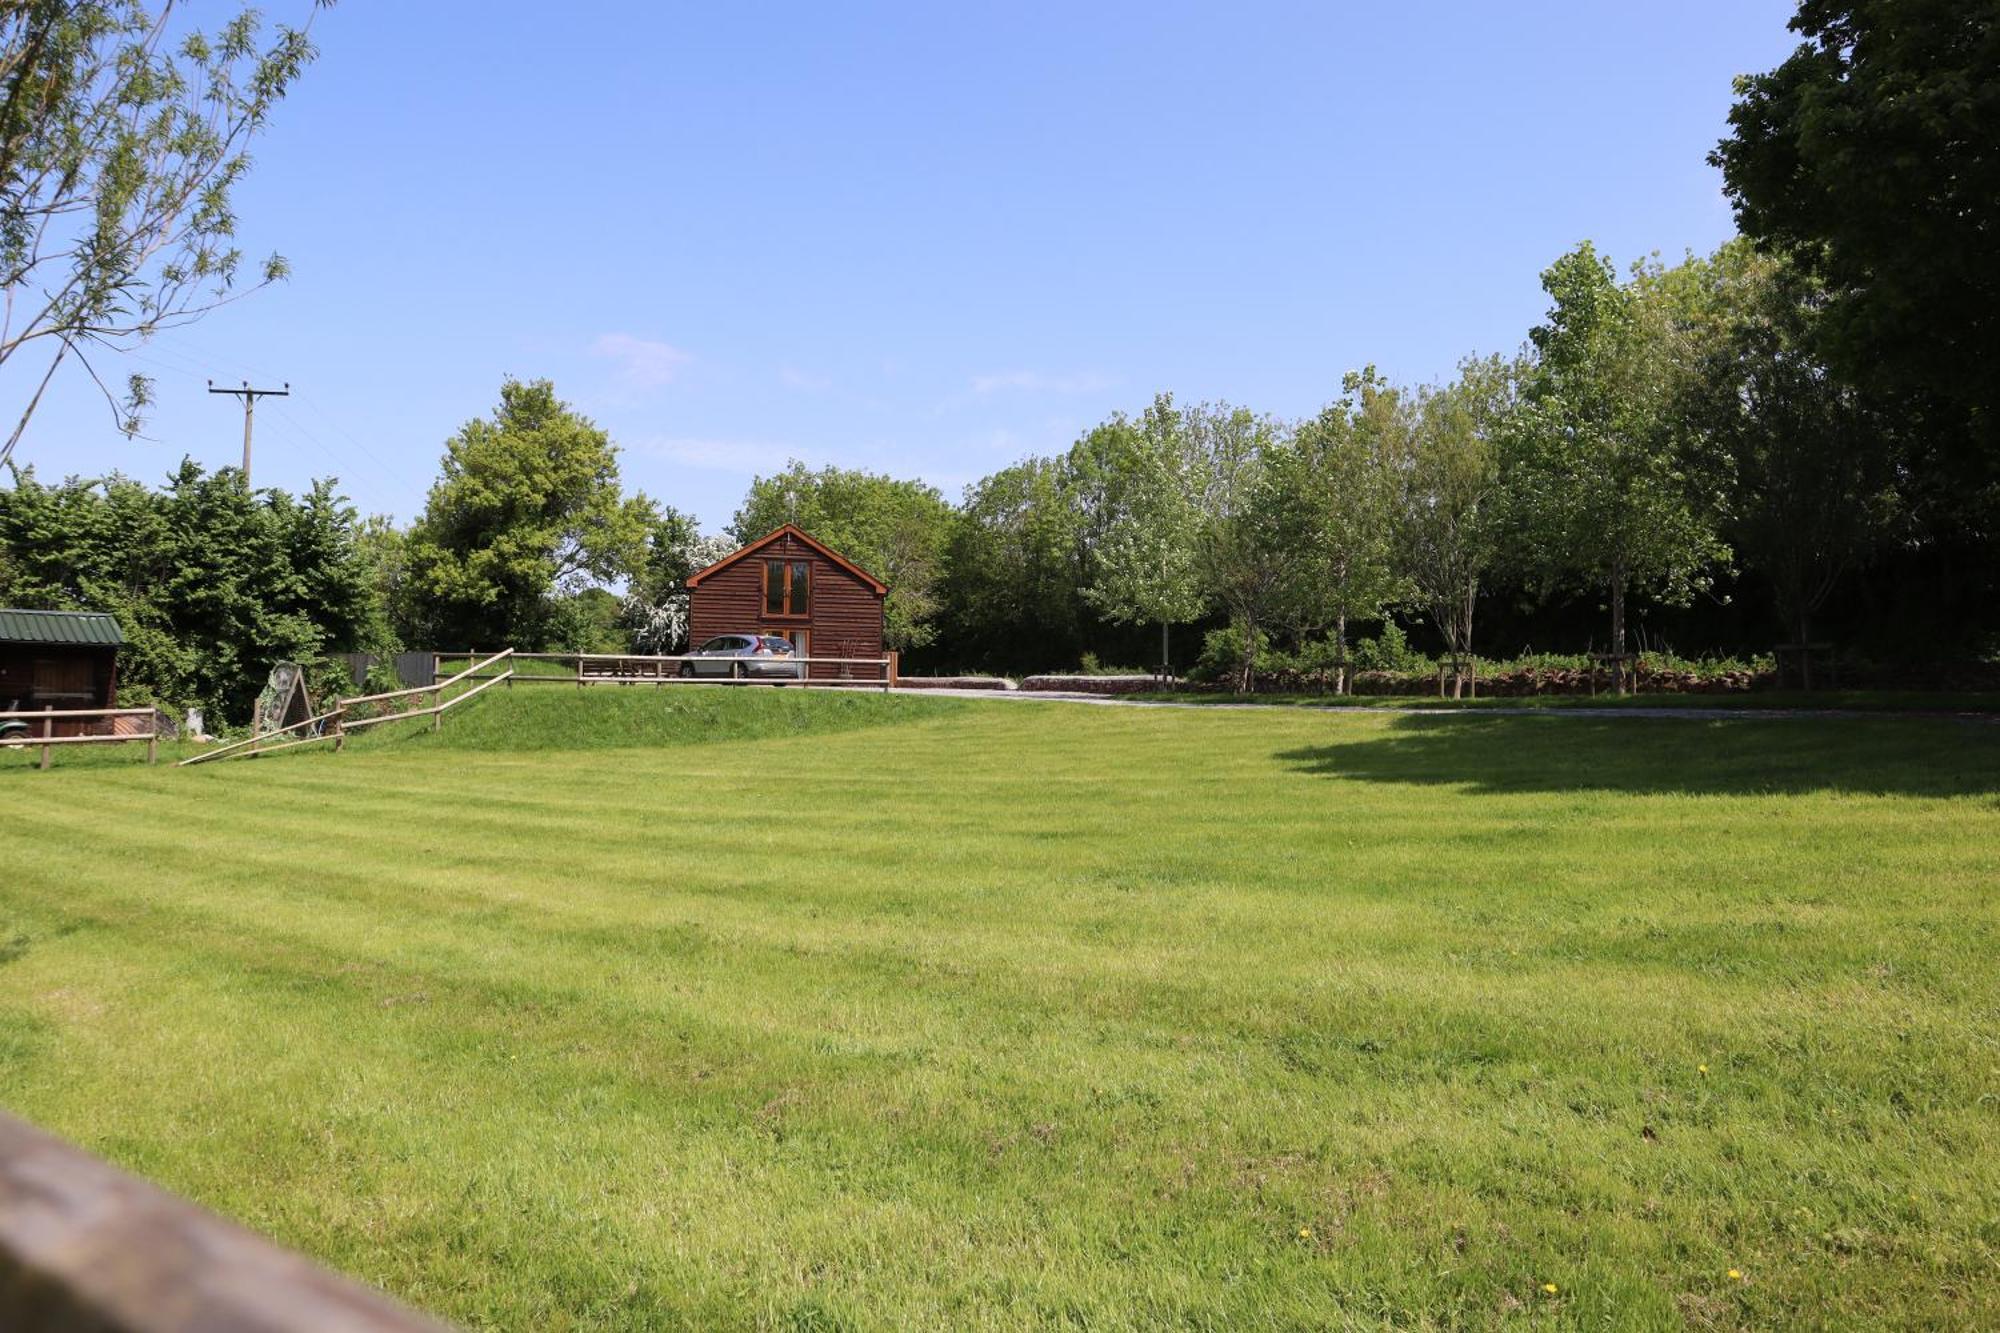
[[687, 670]]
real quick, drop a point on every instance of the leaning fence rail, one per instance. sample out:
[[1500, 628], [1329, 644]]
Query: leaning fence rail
[[438, 705], [334, 724], [48, 717], [257, 744], [85, 1246]]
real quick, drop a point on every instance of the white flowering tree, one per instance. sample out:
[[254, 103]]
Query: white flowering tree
[[655, 607]]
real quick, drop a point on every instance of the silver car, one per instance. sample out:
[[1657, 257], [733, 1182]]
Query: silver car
[[745, 657]]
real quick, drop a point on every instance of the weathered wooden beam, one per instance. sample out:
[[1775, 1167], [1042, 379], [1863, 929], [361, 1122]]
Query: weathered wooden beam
[[86, 1248], [40, 713]]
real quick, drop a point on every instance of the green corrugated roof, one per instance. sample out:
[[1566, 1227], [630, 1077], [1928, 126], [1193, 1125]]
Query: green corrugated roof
[[70, 627]]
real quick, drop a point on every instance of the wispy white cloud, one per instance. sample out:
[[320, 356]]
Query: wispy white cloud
[[717, 455], [794, 378], [644, 363], [1035, 381]]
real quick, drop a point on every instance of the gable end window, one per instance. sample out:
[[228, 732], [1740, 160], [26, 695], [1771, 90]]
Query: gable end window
[[787, 587]]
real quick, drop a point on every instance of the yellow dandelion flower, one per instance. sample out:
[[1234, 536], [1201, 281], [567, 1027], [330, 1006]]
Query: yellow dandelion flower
[[1735, 1275], [1305, 1233], [1702, 1068], [1550, 1288]]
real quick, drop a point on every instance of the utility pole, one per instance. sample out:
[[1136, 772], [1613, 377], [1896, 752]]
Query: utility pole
[[250, 397]]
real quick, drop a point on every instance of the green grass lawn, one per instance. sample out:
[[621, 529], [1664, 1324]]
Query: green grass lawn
[[1863, 701], [830, 1011]]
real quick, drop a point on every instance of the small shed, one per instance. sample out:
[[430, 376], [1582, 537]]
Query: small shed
[[58, 659], [791, 585]]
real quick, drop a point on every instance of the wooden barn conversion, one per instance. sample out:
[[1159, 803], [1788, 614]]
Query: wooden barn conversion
[[787, 584], [58, 659]]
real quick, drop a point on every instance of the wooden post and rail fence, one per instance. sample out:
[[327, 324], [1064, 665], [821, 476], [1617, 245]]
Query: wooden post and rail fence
[[38, 729], [25, 728], [335, 724]]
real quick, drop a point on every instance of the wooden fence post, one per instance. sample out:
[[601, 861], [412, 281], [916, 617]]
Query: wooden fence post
[[48, 731], [153, 738]]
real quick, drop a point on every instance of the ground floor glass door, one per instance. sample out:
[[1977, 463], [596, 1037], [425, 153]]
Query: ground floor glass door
[[801, 641]]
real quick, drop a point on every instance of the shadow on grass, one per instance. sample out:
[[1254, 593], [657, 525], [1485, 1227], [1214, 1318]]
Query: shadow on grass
[[1747, 758]]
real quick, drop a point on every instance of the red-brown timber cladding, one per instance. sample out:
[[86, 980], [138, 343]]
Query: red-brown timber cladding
[[844, 610], [59, 676]]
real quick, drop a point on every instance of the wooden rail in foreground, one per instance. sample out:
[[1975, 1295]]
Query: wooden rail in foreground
[[84, 1246], [664, 669], [334, 724], [48, 717]]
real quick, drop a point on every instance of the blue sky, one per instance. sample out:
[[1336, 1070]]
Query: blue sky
[[926, 239]]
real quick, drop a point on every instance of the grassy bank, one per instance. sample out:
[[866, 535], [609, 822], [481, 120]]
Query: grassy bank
[[998, 1015], [550, 717]]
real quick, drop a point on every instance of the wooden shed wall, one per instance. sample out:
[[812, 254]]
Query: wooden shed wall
[[845, 617], [60, 676]]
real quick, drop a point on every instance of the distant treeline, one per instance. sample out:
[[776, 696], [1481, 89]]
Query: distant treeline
[[1669, 463], [1793, 440]]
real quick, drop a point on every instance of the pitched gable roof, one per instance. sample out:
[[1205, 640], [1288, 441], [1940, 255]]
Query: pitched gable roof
[[800, 534], [78, 628]]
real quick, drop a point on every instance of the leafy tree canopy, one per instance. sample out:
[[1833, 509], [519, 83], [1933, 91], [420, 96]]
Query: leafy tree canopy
[[1013, 586], [211, 583], [1813, 458], [1447, 498], [1339, 480], [1607, 488], [1145, 481], [896, 530], [121, 142], [1871, 159], [528, 511]]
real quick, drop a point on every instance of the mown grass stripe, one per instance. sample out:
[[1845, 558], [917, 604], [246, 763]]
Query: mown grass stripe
[[1061, 1015]]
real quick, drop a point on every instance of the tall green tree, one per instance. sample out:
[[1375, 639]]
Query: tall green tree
[[1606, 487], [1447, 500], [1813, 483], [896, 530], [1245, 544], [1146, 481], [529, 510], [1870, 158], [122, 139], [384, 551], [1338, 483], [1012, 592]]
